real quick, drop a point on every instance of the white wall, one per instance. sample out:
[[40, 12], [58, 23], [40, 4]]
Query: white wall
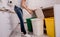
[[47, 3], [57, 19], [57, 1], [5, 25]]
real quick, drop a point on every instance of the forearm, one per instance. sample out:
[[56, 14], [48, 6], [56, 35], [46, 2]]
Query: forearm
[[26, 8], [23, 4]]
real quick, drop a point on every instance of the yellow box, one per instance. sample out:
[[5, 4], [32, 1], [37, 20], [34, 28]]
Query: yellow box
[[49, 22]]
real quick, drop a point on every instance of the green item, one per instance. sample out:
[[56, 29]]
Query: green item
[[29, 24]]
